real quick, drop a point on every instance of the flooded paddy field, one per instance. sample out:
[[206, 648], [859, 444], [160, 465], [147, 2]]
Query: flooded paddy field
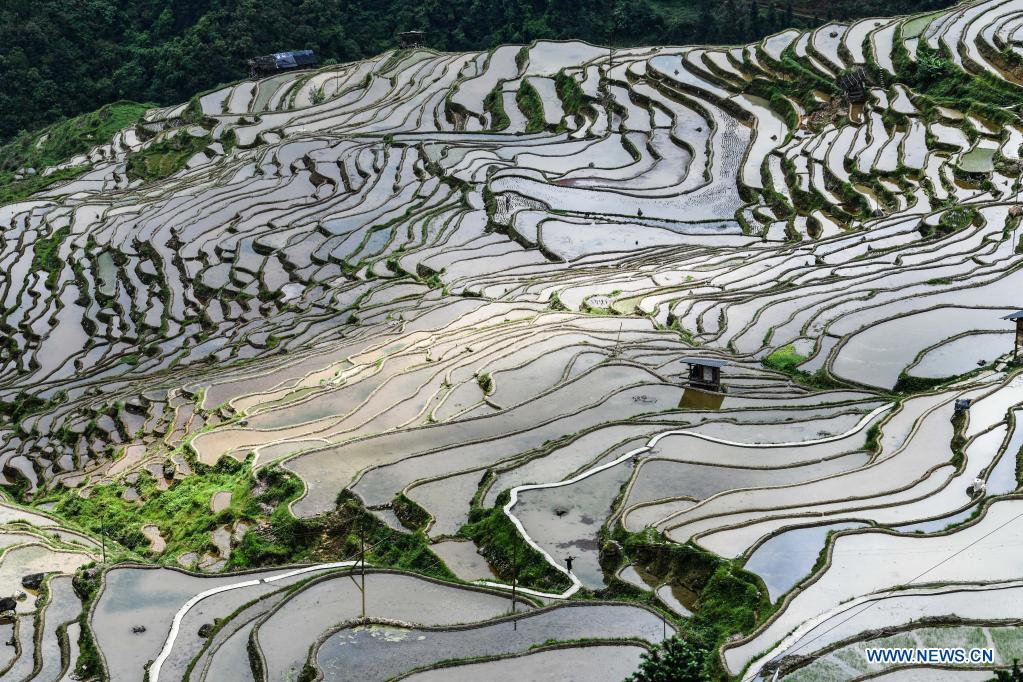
[[381, 652], [681, 343]]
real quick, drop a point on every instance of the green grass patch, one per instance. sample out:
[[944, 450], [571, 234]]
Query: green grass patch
[[507, 553], [183, 515], [1019, 467], [531, 106], [86, 583], [912, 384], [411, 515], [493, 104], [164, 158], [181, 512], [57, 143], [950, 222], [730, 601], [17, 190], [45, 256], [785, 359], [571, 94]]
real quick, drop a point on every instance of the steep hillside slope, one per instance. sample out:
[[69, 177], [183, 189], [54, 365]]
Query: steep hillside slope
[[444, 306]]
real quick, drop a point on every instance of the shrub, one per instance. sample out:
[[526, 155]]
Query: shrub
[[785, 359], [673, 660]]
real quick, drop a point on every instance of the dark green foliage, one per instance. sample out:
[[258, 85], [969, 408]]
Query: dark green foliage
[[308, 673], [571, 94], [951, 221], [873, 438], [60, 58], [674, 660], [1013, 675], [912, 384], [1019, 467], [958, 439], [730, 600], [344, 529], [24, 404]]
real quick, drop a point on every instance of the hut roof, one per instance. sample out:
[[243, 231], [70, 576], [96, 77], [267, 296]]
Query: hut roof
[[706, 362]]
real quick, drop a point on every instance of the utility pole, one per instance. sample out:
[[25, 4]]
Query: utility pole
[[361, 587], [515, 579], [610, 37], [362, 562]]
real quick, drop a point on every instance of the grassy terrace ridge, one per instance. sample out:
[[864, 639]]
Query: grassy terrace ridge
[[509, 556], [164, 158], [184, 517], [731, 601], [58, 143]]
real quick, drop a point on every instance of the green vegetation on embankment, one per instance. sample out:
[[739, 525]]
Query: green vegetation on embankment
[[183, 514], [164, 158], [729, 601], [57, 144]]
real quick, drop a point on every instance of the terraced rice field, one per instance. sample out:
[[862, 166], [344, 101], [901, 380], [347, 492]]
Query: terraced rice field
[[403, 306]]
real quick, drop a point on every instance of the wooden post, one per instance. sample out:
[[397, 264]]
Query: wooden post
[[515, 571], [515, 580], [362, 561], [361, 586]]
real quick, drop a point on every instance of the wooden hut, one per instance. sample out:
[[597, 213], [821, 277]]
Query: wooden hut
[[1017, 317], [278, 62], [705, 373], [411, 39]]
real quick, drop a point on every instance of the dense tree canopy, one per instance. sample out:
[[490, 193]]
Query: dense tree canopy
[[65, 57]]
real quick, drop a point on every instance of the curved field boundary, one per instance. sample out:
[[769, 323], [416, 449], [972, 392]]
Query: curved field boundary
[[154, 669], [790, 639], [576, 584]]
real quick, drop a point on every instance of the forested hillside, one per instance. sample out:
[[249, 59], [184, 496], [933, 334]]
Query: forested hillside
[[62, 58]]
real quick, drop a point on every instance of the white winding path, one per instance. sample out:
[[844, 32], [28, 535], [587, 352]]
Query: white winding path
[[154, 669], [576, 584]]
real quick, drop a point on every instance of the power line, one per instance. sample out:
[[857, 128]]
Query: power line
[[876, 601]]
